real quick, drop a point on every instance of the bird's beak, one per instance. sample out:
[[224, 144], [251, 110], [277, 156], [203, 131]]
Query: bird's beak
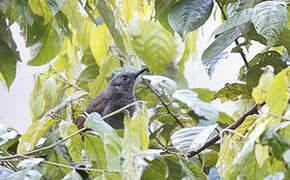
[[141, 71]]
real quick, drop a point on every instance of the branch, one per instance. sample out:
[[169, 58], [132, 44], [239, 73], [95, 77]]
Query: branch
[[236, 40], [163, 103], [5, 158], [237, 123]]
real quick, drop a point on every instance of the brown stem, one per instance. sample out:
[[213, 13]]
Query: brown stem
[[237, 123], [236, 40], [163, 102]]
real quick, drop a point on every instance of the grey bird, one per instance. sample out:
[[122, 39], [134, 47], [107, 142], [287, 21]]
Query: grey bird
[[119, 93]]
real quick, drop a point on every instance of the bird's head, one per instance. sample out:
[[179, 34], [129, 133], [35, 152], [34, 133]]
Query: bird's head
[[125, 82]]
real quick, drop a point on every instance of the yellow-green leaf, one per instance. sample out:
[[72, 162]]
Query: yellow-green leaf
[[153, 44], [262, 154], [136, 139], [33, 134], [74, 144], [259, 93], [99, 42], [277, 95]]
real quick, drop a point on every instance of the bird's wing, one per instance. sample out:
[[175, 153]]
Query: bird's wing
[[98, 104]]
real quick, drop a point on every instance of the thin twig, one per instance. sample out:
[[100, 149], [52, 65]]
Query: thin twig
[[233, 126], [163, 102], [279, 117], [158, 140], [66, 81], [236, 40]]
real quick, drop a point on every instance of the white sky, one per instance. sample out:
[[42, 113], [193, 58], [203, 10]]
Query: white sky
[[14, 105]]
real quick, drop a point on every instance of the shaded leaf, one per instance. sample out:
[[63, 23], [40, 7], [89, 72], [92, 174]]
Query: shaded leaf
[[269, 17], [221, 43], [234, 21], [188, 15], [111, 140], [200, 108], [73, 175], [275, 140], [252, 75], [8, 54], [54, 172]]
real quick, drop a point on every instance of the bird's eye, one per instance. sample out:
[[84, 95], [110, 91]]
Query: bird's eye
[[125, 78]]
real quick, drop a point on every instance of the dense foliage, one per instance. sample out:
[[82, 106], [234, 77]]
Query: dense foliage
[[176, 132]]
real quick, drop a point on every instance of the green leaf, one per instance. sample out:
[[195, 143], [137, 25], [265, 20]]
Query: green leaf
[[95, 153], [269, 18], [234, 21], [155, 170], [8, 53], [73, 175], [34, 133], [172, 167], [74, 144], [191, 139], [46, 48], [277, 95], [276, 141], [252, 75], [188, 15], [225, 119], [54, 172], [111, 140], [7, 64], [285, 38], [153, 44], [204, 94], [200, 108], [112, 23], [259, 93], [162, 8], [221, 43], [191, 170], [21, 7]]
